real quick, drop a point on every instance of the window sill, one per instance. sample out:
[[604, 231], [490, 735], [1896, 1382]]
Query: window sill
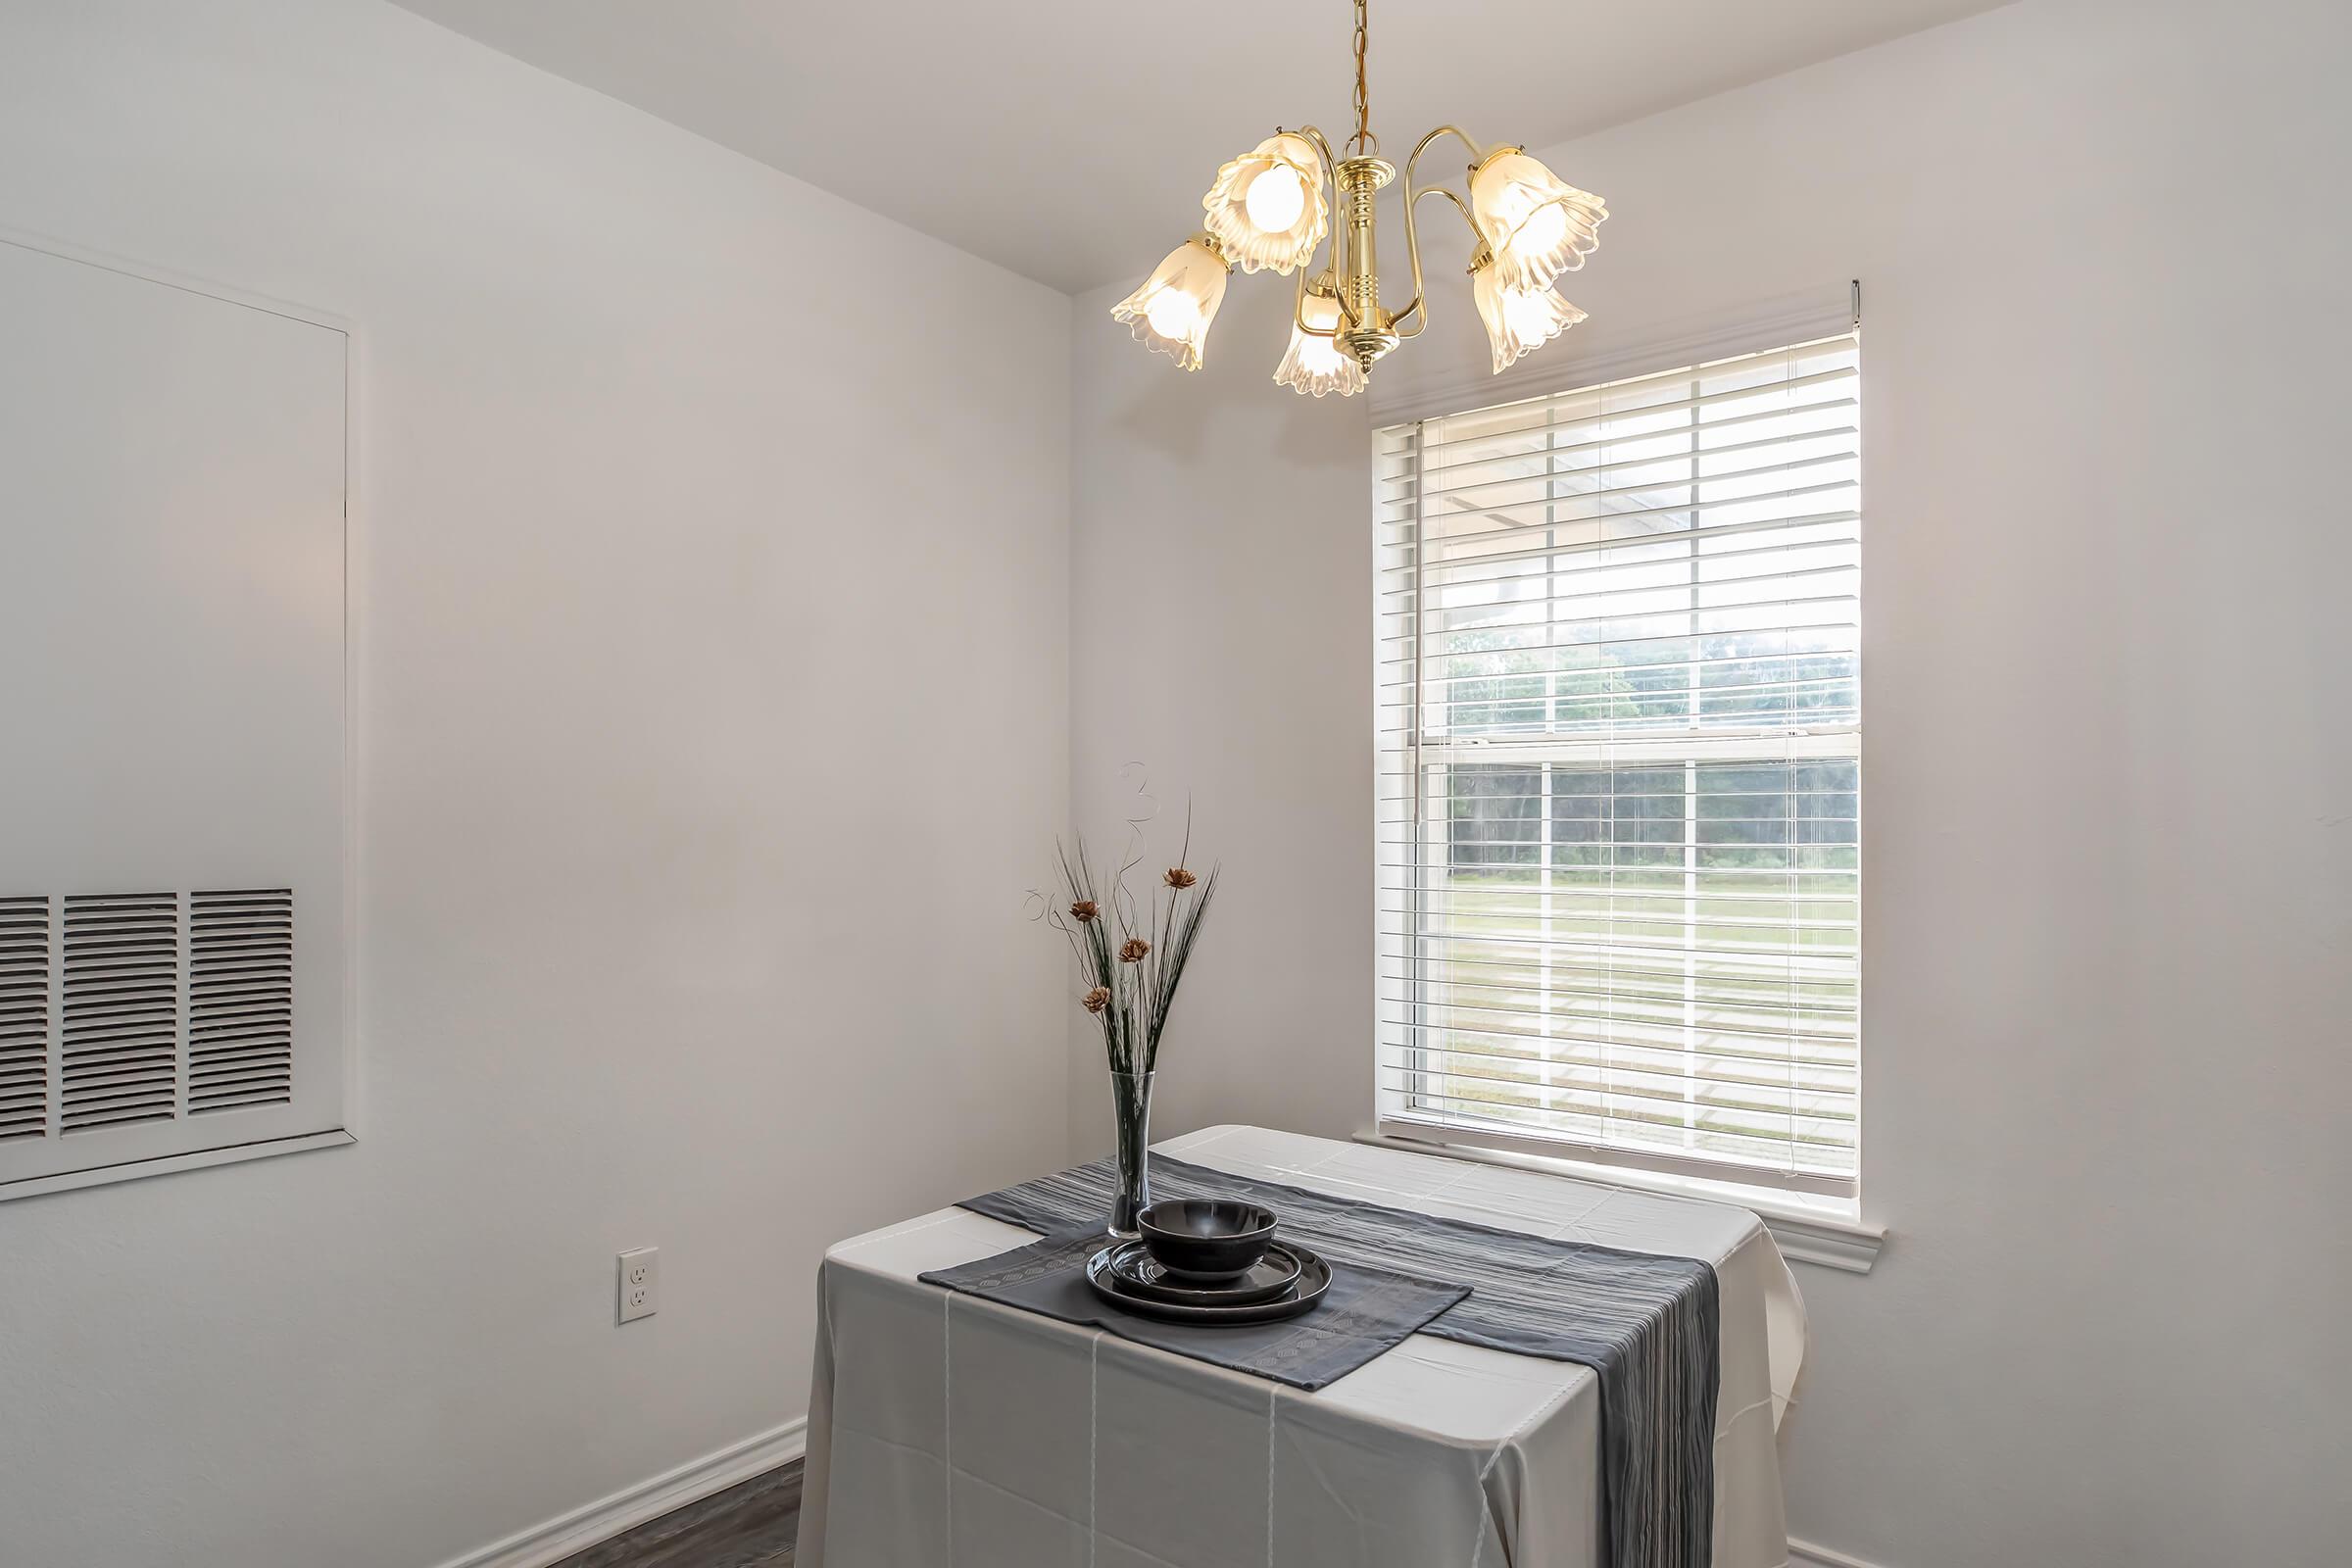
[[1808, 1233]]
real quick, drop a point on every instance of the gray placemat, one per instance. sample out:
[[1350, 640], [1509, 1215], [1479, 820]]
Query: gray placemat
[[1647, 1325], [1366, 1312]]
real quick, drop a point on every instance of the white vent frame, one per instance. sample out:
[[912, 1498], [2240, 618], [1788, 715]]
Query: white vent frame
[[233, 1134]]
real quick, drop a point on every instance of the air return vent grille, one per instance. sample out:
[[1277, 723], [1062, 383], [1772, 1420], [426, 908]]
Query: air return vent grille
[[24, 1017], [240, 1000], [128, 1017], [119, 1049]]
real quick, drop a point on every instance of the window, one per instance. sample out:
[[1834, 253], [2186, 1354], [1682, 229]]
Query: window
[[1620, 741]]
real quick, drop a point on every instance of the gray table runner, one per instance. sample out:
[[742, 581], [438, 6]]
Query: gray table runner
[[1366, 1313], [1647, 1326]]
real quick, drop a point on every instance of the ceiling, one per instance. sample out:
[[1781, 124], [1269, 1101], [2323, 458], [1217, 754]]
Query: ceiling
[[1070, 140]]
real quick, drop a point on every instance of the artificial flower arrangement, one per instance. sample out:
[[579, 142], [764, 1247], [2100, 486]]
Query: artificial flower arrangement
[[1132, 953]]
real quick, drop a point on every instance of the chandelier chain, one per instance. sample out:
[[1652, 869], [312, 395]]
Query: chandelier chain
[[1363, 106]]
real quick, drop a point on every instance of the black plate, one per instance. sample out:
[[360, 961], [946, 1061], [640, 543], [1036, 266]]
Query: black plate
[[1314, 1278], [1139, 1273]]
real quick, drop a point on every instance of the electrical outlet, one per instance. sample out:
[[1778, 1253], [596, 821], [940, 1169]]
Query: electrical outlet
[[640, 1283]]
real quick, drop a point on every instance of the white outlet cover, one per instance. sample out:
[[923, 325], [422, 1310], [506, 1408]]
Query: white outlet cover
[[640, 1283]]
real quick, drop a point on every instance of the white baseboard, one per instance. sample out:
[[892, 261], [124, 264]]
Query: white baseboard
[[559, 1538], [1804, 1554]]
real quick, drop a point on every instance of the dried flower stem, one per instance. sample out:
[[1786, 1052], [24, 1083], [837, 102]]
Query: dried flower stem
[[1132, 973]]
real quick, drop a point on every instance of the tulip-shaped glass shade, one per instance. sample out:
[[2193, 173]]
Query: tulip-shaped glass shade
[[1316, 364], [1519, 321], [1538, 226], [1171, 312], [1267, 208]]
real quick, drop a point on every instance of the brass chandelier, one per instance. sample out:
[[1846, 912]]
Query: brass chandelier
[[1271, 208]]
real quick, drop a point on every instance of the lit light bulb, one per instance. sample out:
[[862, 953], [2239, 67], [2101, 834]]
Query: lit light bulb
[[1537, 225], [1542, 230], [1267, 208], [1528, 313], [1172, 312], [1314, 363], [1519, 321], [1276, 198]]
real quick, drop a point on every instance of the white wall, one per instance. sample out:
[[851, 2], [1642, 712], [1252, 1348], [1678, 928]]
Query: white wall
[[1222, 635], [2108, 906], [644, 823], [712, 687]]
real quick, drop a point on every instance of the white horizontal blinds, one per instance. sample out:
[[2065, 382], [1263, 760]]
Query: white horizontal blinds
[[1620, 740]]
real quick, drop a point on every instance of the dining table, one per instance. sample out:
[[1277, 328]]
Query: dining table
[[946, 1430]]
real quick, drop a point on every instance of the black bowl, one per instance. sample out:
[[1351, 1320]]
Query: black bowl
[[1207, 1237]]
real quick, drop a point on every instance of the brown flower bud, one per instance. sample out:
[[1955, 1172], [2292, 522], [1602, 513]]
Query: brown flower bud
[[1132, 950], [1097, 1000], [1085, 910], [1179, 877]]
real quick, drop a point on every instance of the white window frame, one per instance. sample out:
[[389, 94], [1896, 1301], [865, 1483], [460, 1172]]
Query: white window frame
[[1830, 1202]]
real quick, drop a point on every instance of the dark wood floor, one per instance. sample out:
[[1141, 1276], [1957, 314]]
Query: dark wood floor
[[747, 1525]]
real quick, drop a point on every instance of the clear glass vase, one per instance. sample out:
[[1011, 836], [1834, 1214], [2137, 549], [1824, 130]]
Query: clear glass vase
[[1131, 1116]]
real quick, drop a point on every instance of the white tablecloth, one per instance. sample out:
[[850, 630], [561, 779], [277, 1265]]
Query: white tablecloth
[[948, 1432]]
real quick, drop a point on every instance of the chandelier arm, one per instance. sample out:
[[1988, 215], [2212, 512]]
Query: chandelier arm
[[1419, 305], [1327, 285], [1478, 154], [1331, 265], [1461, 206], [1331, 275], [1413, 244], [1413, 198], [1298, 311], [1330, 160]]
